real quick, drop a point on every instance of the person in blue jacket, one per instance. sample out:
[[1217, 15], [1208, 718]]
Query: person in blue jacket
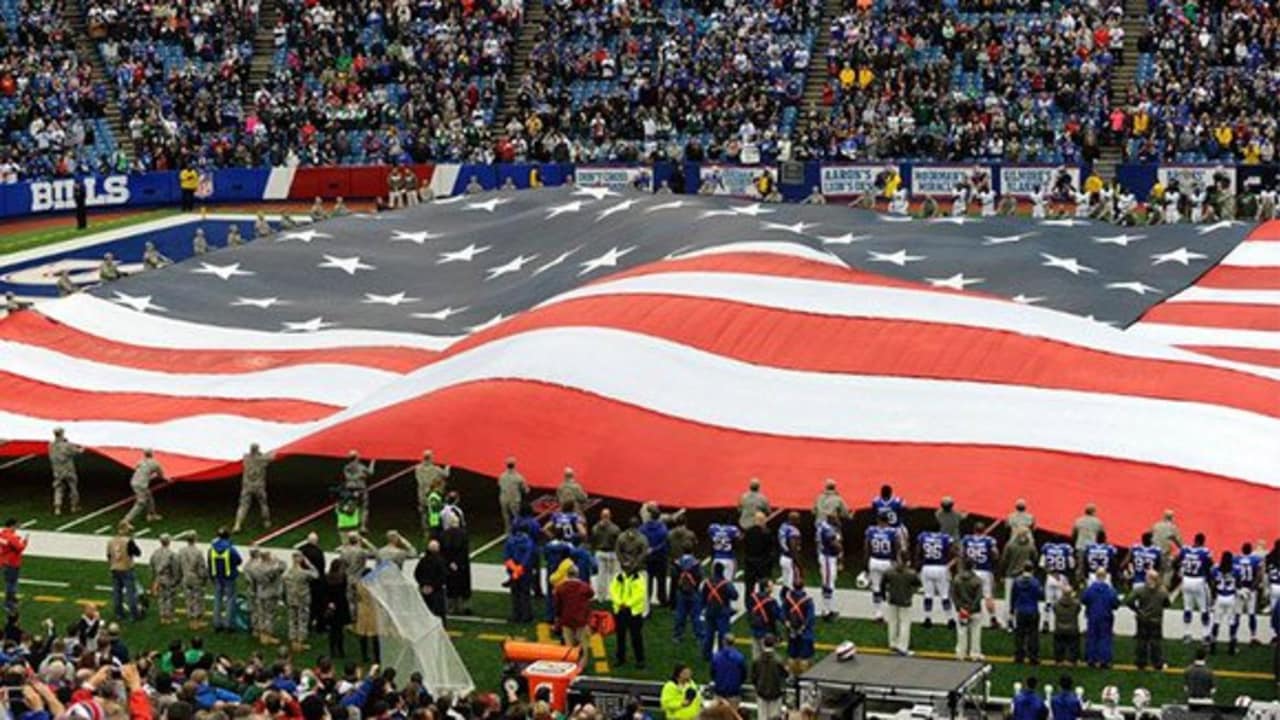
[[528, 520], [519, 555], [688, 601], [1100, 602], [224, 568], [655, 531], [728, 672], [1028, 704], [585, 561], [798, 615], [1025, 598], [1065, 704], [717, 594], [208, 695], [763, 615]]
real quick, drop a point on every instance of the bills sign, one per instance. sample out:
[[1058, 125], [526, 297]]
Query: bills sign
[[1188, 176], [51, 195], [939, 180], [614, 178], [1022, 180], [850, 180], [733, 180]]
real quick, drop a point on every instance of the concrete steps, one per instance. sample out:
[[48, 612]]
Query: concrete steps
[[816, 76], [531, 30], [74, 15], [263, 60]]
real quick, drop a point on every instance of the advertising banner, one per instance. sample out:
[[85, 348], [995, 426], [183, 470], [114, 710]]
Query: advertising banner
[[1022, 180], [733, 179], [941, 180], [850, 180], [1189, 175], [614, 178]]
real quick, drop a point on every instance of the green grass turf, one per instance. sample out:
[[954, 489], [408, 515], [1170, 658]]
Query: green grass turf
[[478, 642], [24, 240]]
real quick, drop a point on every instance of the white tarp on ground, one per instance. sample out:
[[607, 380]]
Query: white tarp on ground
[[413, 638]]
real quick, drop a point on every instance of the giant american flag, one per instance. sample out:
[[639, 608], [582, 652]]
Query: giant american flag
[[670, 347]]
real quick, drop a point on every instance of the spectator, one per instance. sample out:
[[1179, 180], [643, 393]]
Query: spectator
[[1065, 704], [1025, 599], [1028, 704], [728, 671], [1198, 679], [12, 546], [680, 697], [573, 599], [900, 585], [121, 554], [224, 568], [769, 679]]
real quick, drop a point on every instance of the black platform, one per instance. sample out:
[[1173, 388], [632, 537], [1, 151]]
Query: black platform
[[885, 676]]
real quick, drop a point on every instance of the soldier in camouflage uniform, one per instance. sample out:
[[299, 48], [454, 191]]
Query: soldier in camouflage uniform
[[431, 477], [194, 573], [261, 228], [166, 574], [355, 481], [147, 471], [297, 600], [66, 286], [511, 491], [354, 554], [108, 270], [265, 572], [234, 238], [151, 257], [397, 549], [62, 458], [253, 486], [571, 491], [199, 243]]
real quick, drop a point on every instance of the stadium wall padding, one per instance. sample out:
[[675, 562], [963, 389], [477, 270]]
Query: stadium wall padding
[[795, 181]]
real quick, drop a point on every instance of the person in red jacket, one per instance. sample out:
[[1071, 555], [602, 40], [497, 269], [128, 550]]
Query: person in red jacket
[[573, 599], [12, 546]]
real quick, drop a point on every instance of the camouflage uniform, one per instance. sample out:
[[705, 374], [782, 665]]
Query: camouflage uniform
[[265, 586], [397, 550], [108, 270], [355, 480], [571, 491], [152, 259], [430, 476], [166, 574], [234, 239], [261, 228], [511, 490], [194, 571], [830, 503], [140, 483], [253, 486], [199, 243], [353, 557], [62, 458], [297, 599], [65, 284]]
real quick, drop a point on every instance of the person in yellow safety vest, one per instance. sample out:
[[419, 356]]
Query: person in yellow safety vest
[[188, 181], [347, 513], [1093, 184], [681, 699], [892, 183], [629, 592], [535, 178], [224, 568]]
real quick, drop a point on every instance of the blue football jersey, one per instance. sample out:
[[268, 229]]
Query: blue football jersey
[[787, 534], [1058, 557], [1246, 569], [1195, 562], [828, 538], [882, 542], [892, 508], [1224, 583], [722, 539], [1143, 558], [935, 547], [1273, 573], [980, 551], [1099, 556], [566, 524]]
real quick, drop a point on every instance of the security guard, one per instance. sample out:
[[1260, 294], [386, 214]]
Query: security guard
[[194, 575], [297, 599], [146, 471], [62, 459], [188, 181], [629, 592], [166, 574], [253, 486]]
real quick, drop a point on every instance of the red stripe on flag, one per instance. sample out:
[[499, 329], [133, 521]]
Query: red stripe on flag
[[28, 397], [1255, 356], [628, 452], [1223, 315], [1228, 277], [32, 328], [1269, 230], [789, 339]]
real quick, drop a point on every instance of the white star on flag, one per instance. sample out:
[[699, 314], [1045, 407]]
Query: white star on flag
[[673, 205], [1220, 225], [466, 254], [558, 260], [487, 323], [1091, 318], [1065, 222], [312, 325], [1123, 239], [417, 238], [305, 236], [797, 228], [141, 303], [449, 200], [752, 210], [845, 239], [515, 265], [1133, 286], [620, 207], [262, 303], [1006, 239], [1026, 299], [557, 210], [955, 282], [596, 193], [441, 314], [900, 258], [348, 265], [392, 300], [488, 205], [954, 220], [1071, 265], [609, 259], [1182, 256], [223, 271]]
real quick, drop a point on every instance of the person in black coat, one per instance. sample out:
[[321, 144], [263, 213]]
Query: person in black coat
[[456, 550], [315, 556], [757, 552], [337, 611], [78, 194], [431, 576]]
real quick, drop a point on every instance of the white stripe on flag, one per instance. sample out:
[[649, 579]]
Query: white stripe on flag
[[1254, 253], [1207, 336], [1222, 295]]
